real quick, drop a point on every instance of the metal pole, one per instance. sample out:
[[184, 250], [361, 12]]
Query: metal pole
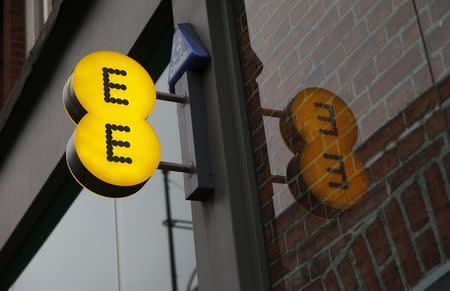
[[174, 167], [272, 112], [173, 271], [170, 97]]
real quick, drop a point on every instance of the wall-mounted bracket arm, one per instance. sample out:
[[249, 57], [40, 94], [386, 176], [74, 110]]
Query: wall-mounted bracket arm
[[171, 97], [175, 167]]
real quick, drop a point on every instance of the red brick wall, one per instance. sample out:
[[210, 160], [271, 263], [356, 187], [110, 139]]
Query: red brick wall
[[13, 45], [371, 54]]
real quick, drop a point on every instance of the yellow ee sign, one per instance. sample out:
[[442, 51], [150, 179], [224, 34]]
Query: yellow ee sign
[[324, 155], [113, 150]]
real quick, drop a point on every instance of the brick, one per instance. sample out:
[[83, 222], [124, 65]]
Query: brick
[[267, 212], [321, 238], [284, 220], [314, 286], [410, 168], [425, 17], [438, 37], [411, 143], [330, 41], [362, 56], [369, 203], [364, 264], [421, 106], [399, 71], [444, 85], [376, 236], [447, 165], [361, 8], [389, 54], [405, 250], [292, 81], [257, 16], [288, 66], [266, 192], [300, 278], [247, 56], [332, 83], [411, 35], [364, 78], [327, 21], [319, 264], [400, 17], [347, 275], [244, 40], [360, 105], [437, 65], [282, 30], [300, 10], [379, 14], [275, 250], [330, 282], [295, 235], [355, 37], [391, 278], [282, 286], [415, 207], [276, 19], [316, 76], [273, 54], [283, 266], [258, 138], [422, 81], [254, 106], [346, 93], [374, 119], [428, 249], [377, 142], [440, 204], [386, 163], [334, 59], [268, 233], [436, 124], [313, 222], [339, 245], [263, 176], [251, 93], [308, 43], [438, 9]]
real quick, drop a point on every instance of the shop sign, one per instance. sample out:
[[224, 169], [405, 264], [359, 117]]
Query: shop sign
[[323, 151], [113, 150]]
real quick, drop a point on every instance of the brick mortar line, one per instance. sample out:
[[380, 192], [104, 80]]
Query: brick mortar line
[[431, 216], [384, 265], [394, 143], [415, 235], [409, 231], [394, 252], [442, 167], [358, 275], [372, 256]]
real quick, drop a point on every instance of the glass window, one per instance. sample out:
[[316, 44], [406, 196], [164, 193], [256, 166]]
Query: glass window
[[346, 103]]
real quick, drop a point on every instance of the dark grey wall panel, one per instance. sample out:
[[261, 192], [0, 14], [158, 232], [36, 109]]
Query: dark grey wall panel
[[110, 25], [227, 229]]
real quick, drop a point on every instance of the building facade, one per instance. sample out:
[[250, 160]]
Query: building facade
[[327, 126]]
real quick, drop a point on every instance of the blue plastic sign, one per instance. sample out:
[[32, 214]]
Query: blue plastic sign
[[188, 53]]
